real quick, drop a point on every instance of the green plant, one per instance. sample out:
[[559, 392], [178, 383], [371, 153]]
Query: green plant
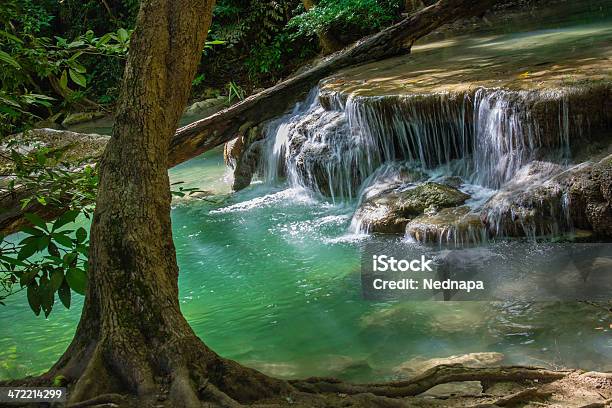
[[363, 16], [41, 71], [48, 258], [234, 91]]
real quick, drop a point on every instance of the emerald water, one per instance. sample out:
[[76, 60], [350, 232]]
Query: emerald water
[[270, 278]]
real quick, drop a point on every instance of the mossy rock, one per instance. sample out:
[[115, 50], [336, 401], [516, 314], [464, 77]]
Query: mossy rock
[[390, 212], [457, 224]]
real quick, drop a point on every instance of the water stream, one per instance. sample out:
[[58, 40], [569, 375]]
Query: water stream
[[269, 276]]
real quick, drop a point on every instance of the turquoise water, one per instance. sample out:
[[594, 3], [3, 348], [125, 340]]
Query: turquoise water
[[269, 277]]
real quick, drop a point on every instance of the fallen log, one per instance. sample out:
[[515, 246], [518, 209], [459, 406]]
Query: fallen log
[[205, 134], [202, 135]]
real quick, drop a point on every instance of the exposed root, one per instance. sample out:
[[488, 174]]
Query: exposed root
[[100, 400], [526, 395], [438, 375], [210, 381]]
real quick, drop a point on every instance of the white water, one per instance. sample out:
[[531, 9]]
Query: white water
[[357, 147]]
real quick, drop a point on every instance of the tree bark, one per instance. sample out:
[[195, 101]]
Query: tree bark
[[132, 337]]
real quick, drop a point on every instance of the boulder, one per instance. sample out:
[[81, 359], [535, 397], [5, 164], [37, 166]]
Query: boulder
[[72, 148], [456, 224], [207, 107], [550, 200], [390, 211], [242, 154]]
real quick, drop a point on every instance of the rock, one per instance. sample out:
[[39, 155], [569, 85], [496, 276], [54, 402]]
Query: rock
[[548, 200], [419, 365], [390, 211], [247, 165], [75, 148], [345, 366], [232, 151], [242, 155], [456, 224], [80, 117]]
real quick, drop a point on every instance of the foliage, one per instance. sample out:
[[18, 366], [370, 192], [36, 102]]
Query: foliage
[[48, 258], [362, 16], [235, 91], [31, 62], [257, 48]]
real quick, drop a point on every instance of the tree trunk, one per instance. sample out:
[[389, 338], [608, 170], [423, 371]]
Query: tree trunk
[[132, 337]]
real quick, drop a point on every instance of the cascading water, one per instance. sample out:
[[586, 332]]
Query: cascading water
[[344, 147]]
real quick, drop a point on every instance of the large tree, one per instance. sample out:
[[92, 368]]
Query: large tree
[[132, 337]]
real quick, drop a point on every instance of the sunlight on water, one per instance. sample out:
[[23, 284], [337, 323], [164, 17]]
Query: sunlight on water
[[274, 283], [270, 276]]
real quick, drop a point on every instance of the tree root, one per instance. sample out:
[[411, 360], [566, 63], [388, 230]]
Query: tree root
[[99, 400], [526, 395], [438, 375], [211, 381]]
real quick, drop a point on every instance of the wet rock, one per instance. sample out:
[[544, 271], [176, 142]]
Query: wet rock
[[457, 224], [242, 154], [529, 205], [247, 165], [419, 365], [232, 151], [347, 367], [590, 197], [390, 211], [545, 199]]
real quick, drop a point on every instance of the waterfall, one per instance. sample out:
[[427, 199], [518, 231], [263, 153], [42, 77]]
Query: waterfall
[[350, 147], [484, 137]]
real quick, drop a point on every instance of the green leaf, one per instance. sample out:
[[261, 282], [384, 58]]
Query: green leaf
[[6, 58], [46, 296], [32, 231], [79, 79], [77, 279], [33, 298], [63, 240], [52, 248], [12, 261], [36, 220], [41, 157], [123, 35], [69, 259], [81, 235], [64, 80], [56, 279], [65, 218], [74, 44], [11, 37], [65, 294], [28, 250], [26, 277]]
